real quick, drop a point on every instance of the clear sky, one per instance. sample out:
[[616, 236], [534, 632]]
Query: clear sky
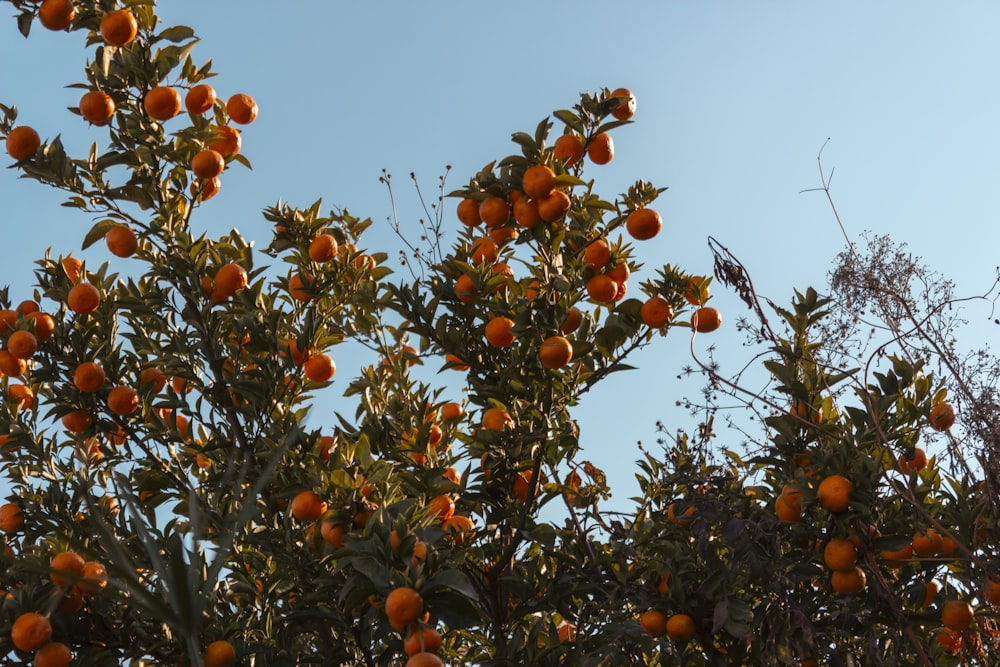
[[734, 101]]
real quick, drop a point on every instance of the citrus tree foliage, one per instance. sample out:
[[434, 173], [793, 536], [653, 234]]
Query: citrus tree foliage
[[168, 505]]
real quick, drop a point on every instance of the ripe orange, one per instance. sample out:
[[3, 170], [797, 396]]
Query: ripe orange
[[601, 148], [119, 27], [300, 286], [333, 532], [220, 654], [468, 212], [706, 319], [498, 331], [538, 181], [840, 554], [656, 312], [83, 298], [643, 224], [931, 589], [77, 421], [208, 163], [11, 518], [22, 395], [653, 622], [199, 99], [44, 325], [53, 654], [680, 627], [456, 362], [850, 581], [22, 344], [957, 615], [913, 461], [320, 368], [950, 640], [450, 411], [483, 249], [458, 527], [95, 578], [896, 559], [788, 505], [121, 241], [402, 607], [153, 376], [123, 400], [227, 141], [574, 318], [56, 14], [602, 288], [494, 211], [72, 267], [323, 248], [684, 519], [422, 640], [241, 108], [942, 417], [526, 213], [443, 506], [30, 631], [991, 591], [97, 107], [555, 352], [834, 493], [926, 544], [627, 108], [12, 366], [465, 288], [308, 506], [496, 419], [66, 567], [162, 103], [597, 254], [522, 486], [229, 279], [22, 142], [27, 307], [554, 206], [424, 659], [569, 148]]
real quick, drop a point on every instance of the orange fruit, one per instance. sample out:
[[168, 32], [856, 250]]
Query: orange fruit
[[119, 27], [227, 141], [323, 248], [569, 148], [456, 362], [684, 519], [229, 279], [199, 99], [83, 298], [22, 395], [154, 377], [22, 344], [53, 654], [320, 368], [205, 189], [926, 544], [656, 312], [840, 554], [56, 14], [619, 273], [72, 267], [991, 591], [422, 640], [458, 527], [555, 352], [66, 567], [30, 631], [300, 286], [220, 653], [44, 325], [208, 163], [77, 421], [402, 607], [554, 206], [526, 213], [162, 103], [942, 417], [22, 142], [11, 365], [424, 659], [95, 578], [913, 461], [483, 249], [308, 506], [643, 224], [465, 288], [706, 319], [27, 307], [602, 288], [442, 506], [97, 107], [834, 493], [450, 411], [597, 254], [241, 108], [496, 419], [121, 241], [574, 318], [522, 486], [931, 589], [468, 212], [626, 109], [697, 292], [601, 148], [788, 507], [957, 615], [123, 400], [11, 518], [333, 532], [653, 622], [494, 211], [896, 559], [849, 581], [498, 331], [538, 181], [950, 640], [680, 627]]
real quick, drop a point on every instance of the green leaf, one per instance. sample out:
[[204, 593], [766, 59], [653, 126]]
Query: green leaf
[[176, 34]]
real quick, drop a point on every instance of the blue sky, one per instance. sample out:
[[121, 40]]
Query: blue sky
[[734, 101]]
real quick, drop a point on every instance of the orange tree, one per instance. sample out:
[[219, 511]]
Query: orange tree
[[168, 505]]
